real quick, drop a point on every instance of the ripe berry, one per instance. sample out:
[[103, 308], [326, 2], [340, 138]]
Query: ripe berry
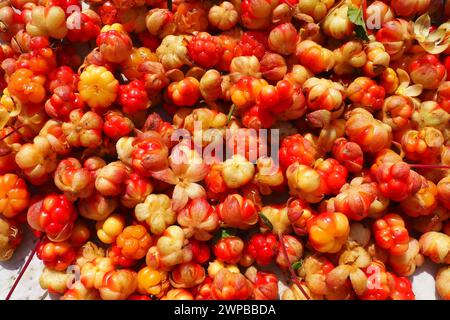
[[263, 248], [205, 50], [133, 97], [252, 43]]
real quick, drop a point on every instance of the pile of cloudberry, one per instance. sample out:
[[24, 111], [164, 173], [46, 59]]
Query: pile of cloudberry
[[334, 115]]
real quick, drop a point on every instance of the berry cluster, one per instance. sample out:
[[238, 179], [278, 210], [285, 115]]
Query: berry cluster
[[104, 155]]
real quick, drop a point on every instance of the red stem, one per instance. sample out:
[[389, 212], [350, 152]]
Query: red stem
[[10, 133], [429, 166], [22, 271], [291, 270]]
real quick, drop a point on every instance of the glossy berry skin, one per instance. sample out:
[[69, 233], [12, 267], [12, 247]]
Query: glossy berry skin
[[40, 61], [118, 284], [114, 44], [27, 86], [423, 146], [198, 219], [356, 198], [395, 35], [328, 231], [134, 242], [237, 212], [74, 180], [84, 129], [299, 212], [133, 97], [200, 251], [314, 57], [401, 288], [263, 248], [443, 93], [14, 195], [371, 134], [229, 249], [205, 50], [151, 281], [116, 126], [136, 189], [423, 202], [378, 286], [98, 87], [64, 4], [333, 173], [323, 94], [257, 117], [115, 253], [252, 43], [184, 93], [397, 181], [245, 92], [348, 154], [63, 101], [265, 285], [110, 228], [365, 92], [62, 76], [276, 98], [296, 148], [228, 45], [397, 111], [428, 71], [228, 285], [390, 234], [283, 38], [55, 215], [56, 256], [83, 26], [149, 154]]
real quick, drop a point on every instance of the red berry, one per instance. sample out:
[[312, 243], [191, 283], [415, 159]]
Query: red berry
[[62, 76], [83, 27], [263, 248], [334, 174], [257, 117], [205, 50], [397, 181], [229, 249], [133, 97], [55, 215], [252, 43], [401, 288], [115, 253], [295, 148], [116, 125], [200, 251], [62, 102], [390, 234], [148, 40]]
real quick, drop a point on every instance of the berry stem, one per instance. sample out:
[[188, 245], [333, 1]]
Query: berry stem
[[291, 270], [23, 270], [10, 133], [429, 166], [231, 112]]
